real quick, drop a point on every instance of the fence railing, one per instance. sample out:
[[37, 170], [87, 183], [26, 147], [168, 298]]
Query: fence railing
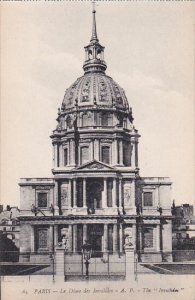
[[100, 263]]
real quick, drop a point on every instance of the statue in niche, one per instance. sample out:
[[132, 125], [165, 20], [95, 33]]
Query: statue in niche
[[64, 196], [64, 239], [127, 196]]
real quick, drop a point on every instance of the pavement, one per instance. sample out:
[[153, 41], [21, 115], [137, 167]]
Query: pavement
[[8, 268], [171, 268]]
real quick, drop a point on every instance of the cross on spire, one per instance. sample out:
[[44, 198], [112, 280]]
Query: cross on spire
[[93, 4]]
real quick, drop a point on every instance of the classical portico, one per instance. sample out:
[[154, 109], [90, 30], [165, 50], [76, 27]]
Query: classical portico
[[90, 194]]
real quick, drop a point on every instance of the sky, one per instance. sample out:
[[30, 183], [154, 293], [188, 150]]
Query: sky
[[149, 50]]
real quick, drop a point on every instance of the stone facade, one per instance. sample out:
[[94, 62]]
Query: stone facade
[[96, 192]]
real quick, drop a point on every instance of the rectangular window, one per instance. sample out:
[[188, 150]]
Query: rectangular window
[[106, 154], [105, 117], [126, 154], [84, 155], [42, 199], [147, 199], [65, 157], [109, 192], [42, 239], [58, 156], [118, 152], [148, 238]]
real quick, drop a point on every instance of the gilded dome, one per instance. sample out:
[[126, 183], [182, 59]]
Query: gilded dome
[[95, 89]]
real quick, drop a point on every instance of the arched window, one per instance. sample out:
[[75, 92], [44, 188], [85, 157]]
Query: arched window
[[106, 154], [98, 54], [120, 118], [90, 54], [84, 155], [65, 157]]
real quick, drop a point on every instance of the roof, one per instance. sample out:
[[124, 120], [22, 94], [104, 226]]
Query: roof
[[95, 89]]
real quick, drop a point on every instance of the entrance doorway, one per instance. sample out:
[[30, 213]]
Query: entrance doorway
[[95, 234], [94, 194]]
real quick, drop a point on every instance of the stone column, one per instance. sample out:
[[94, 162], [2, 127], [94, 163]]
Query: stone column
[[115, 240], [69, 193], [55, 235], [93, 149], [120, 192], [56, 194], [84, 233], [74, 238], [136, 154], [121, 152], [50, 239], [157, 231], [61, 156], [32, 239], [132, 198], [133, 153], [105, 249], [134, 235], [104, 194], [70, 237], [121, 238], [96, 149], [114, 151], [114, 195], [55, 155], [72, 152], [74, 193], [84, 193], [140, 238]]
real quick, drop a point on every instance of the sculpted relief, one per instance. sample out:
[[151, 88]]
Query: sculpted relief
[[127, 196], [64, 195]]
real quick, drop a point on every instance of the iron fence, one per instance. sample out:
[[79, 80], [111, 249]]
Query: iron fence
[[101, 264]]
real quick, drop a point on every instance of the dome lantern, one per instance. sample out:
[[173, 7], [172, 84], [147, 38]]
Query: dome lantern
[[94, 53]]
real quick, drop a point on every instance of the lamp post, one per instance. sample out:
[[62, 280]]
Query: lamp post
[[87, 249]]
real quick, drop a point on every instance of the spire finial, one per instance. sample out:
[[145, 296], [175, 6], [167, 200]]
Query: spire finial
[[93, 3], [94, 52], [94, 31]]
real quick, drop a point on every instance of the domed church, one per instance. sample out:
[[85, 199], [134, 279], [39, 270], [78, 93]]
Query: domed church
[[96, 193]]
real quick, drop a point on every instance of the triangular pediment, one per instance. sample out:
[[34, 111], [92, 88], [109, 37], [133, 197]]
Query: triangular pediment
[[95, 165]]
